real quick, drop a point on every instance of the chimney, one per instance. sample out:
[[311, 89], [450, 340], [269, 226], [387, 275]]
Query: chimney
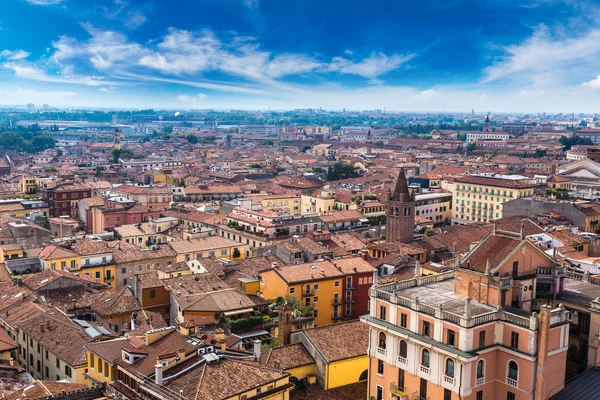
[[48, 324], [468, 307], [158, 373], [257, 350], [74, 304], [12, 362], [42, 328]]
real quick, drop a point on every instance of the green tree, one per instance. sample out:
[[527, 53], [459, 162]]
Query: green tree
[[470, 148], [574, 140], [124, 154], [11, 140], [193, 139], [341, 170], [39, 143], [539, 153], [167, 130], [305, 149]]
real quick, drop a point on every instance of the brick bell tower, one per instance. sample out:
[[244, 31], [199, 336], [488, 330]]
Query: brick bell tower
[[400, 213]]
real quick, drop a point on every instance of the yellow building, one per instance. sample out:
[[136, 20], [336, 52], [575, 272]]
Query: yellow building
[[323, 285], [340, 352], [480, 198], [29, 184], [290, 203], [23, 208], [212, 246], [323, 203], [55, 257], [96, 261], [10, 251]]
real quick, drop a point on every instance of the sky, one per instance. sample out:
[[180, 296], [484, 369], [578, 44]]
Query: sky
[[428, 55]]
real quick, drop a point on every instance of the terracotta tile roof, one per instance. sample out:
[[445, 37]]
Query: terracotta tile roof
[[55, 253], [219, 301], [291, 356], [6, 342], [44, 390], [127, 252], [340, 341], [88, 247], [353, 391], [494, 248], [196, 284], [223, 380], [304, 272], [114, 303], [202, 244], [495, 182], [567, 238]]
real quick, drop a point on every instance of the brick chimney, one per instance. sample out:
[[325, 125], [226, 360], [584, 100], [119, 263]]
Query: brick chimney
[[285, 324], [542, 387]]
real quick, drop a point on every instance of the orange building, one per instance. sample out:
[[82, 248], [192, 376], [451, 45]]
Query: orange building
[[471, 333]]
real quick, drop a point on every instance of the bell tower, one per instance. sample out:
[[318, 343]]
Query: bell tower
[[117, 139], [400, 213]]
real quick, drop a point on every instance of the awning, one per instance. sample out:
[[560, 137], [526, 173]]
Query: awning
[[238, 312], [363, 219]]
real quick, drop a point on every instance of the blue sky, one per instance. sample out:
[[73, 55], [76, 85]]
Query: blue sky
[[442, 55]]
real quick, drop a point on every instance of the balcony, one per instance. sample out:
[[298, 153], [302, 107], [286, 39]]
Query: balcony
[[396, 390], [337, 317], [402, 360], [424, 369], [449, 379], [337, 302], [381, 351], [511, 382], [479, 381], [350, 300], [416, 396], [351, 287], [308, 293]]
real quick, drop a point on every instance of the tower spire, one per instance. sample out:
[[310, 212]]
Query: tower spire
[[401, 192]]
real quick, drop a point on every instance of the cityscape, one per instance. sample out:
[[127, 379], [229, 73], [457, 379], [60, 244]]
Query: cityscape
[[299, 200]]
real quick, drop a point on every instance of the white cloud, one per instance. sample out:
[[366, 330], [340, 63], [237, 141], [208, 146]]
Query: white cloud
[[14, 55], [593, 84], [22, 96], [544, 58], [135, 19], [26, 71], [192, 100], [132, 19], [44, 2], [371, 67]]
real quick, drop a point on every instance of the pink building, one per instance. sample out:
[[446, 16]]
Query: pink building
[[471, 333]]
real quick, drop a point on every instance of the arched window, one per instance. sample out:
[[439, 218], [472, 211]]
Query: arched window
[[449, 367], [382, 340], [425, 358], [403, 349], [480, 370], [513, 370]]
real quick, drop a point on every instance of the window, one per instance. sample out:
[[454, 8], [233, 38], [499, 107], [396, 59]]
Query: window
[[315, 313], [451, 336], [479, 395], [379, 393], [46, 354], [514, 340], [39, 366], [379, 367], [510, 396], [382, 312], [292, 290], [382, 340], [447, 394], [68, 371], [316, 286], [123, 270], [47, 372], [336, 283], [426, 328], [403, 349], [98, 274], [513, 370], [425, 358], [152, 293], [223, 252], [57, 363], [481, 339], [449, 371], [315, 299], [92, 362], [479, 370], [307, 302], [403, 320]]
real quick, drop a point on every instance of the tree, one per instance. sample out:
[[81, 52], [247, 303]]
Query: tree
[[121, 154], [11, 140], [574, 140], [39, 143], [305, 149], [341, 170], [539, 153], [470, 148], [193, 139], [167, 130], [236, 253], [462, 137]]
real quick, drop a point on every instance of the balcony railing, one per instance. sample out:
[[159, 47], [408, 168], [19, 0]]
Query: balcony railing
[[397, 390], [417, 396], [337, 302], [350, 300], [449, 379], [424, 369], [381, 351], [402, 360], [479, 381], [308, 293], [511, 382]]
